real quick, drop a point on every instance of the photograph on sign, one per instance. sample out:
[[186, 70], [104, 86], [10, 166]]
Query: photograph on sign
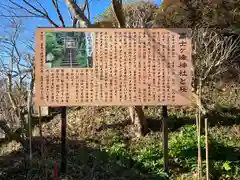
[[68, 50], [97, 66]]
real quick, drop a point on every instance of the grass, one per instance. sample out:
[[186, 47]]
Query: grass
[[101, 145]]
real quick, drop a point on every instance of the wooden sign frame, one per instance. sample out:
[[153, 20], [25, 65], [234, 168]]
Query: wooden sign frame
[[113, 67]]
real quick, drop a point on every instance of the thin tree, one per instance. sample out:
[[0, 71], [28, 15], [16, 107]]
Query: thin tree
[[78, 13], [18, 68]]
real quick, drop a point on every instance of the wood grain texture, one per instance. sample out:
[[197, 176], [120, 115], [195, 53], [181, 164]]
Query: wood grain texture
[[130, 67]]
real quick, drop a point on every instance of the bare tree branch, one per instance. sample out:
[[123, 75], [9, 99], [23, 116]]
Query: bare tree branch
[[35, 11], [14, 105], [9, 92], [17, 16], [118, 10], [74, 22], [214, 54], [88, 9], [23, 72], [77, 11], [45, 11], [84, 5], [55, 3], [25, 9]]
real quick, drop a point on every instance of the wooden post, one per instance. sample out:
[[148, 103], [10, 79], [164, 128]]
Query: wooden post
[[40, 131], [206, 141], [63, 139], [199, 132], [165, 137], [30, 130]]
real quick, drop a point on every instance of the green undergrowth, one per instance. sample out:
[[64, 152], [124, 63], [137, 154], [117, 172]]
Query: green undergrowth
[[101, 145], [148, 153]]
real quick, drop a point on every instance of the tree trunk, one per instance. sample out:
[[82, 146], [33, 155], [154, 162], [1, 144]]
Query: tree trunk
[[200, 103], [138, 120], [136, 113]]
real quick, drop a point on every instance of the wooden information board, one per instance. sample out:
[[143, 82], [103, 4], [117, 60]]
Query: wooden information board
[[84, 66]]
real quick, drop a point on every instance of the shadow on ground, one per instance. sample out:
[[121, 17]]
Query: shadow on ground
[[118, 125], [83, 163], [220, 117]]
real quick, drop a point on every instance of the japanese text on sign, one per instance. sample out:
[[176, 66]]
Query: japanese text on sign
[[113, 66]]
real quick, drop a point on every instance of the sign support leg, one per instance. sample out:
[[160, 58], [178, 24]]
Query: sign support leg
[[165, 137], [63, 139]]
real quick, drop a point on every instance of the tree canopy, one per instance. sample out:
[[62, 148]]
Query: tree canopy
[[138, 14], [212, 14]]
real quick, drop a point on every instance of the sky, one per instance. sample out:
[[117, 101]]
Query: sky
[[96, 7], [30, 24]]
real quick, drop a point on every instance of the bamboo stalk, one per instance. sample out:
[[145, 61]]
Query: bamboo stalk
[[196, 117], [206, 143], [198, 161], [30, 128], [40, 131], [42, 145], [199, 147], [29, 107], [199, 133]]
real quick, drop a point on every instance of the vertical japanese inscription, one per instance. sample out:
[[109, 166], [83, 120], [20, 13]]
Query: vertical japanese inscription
[[77, 86], [135, 79], [106, 61], [100, 63], [125, 59], [98, 59], [110, 67], [183, 62], [144, 60], [139, 66], [153, 52], [57, 85], [173, 95], [158, 56], [120, 71], [52, 87], [47, 77], [62, 86], [41, 65], [163, 66], [130, 67], [149, 68], [115, 67], [169, 62]]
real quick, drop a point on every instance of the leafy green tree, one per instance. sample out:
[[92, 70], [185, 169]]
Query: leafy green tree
[[51, 42], [82, 60], [53, 46]]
